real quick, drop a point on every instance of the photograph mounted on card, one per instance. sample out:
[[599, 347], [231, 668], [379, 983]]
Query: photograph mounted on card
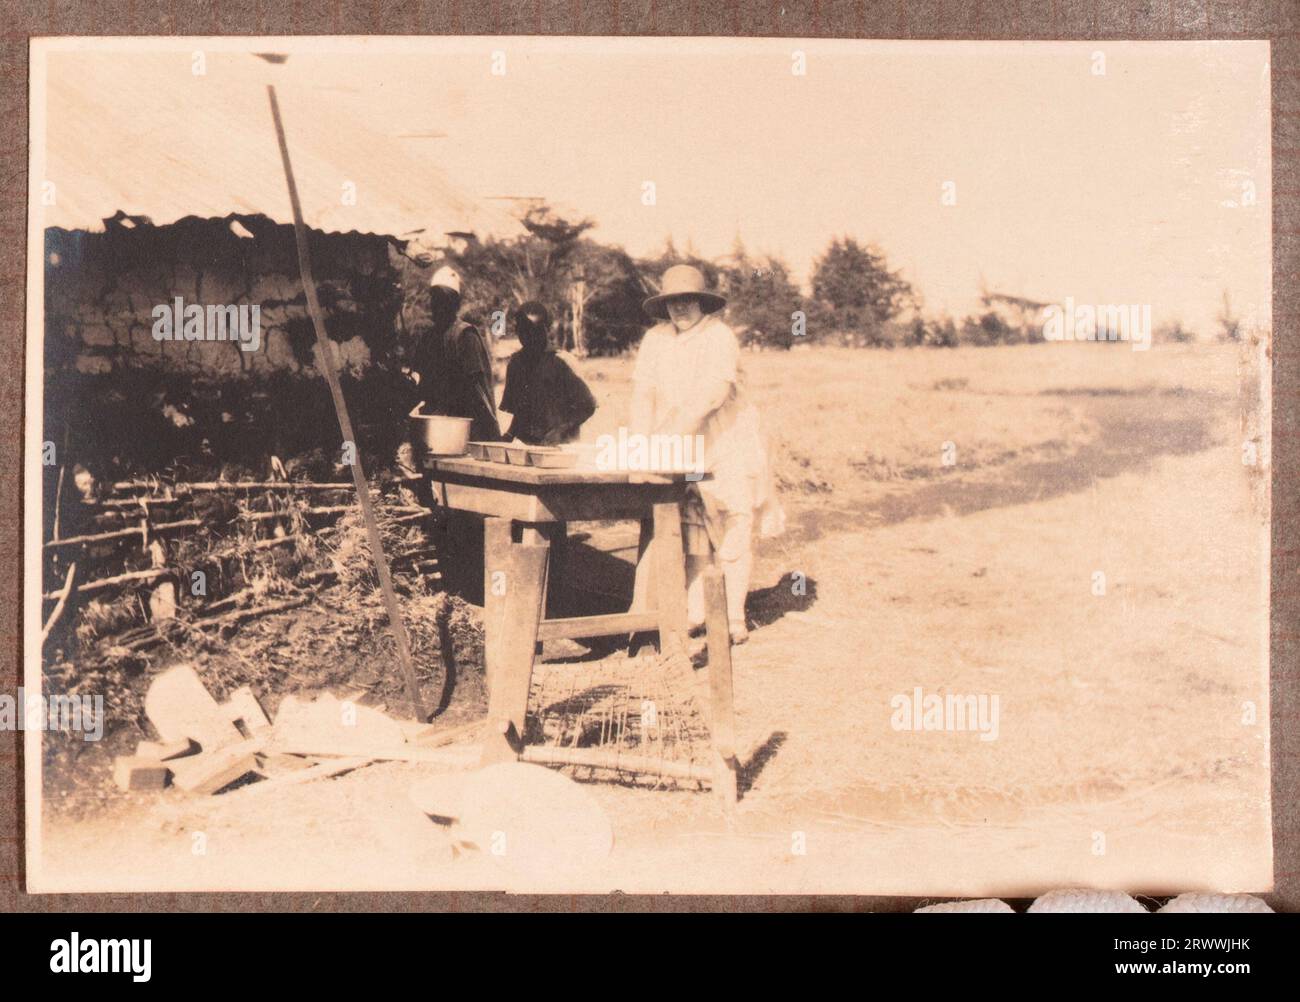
[[713, 466]]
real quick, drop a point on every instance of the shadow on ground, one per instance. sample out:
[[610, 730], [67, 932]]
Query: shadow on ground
[[1134, 429]]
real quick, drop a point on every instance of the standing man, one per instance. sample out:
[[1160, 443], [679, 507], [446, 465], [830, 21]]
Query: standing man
[[453, 363]]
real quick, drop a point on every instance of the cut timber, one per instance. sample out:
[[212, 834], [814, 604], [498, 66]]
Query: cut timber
[[244, 707], [330, 726], [180, 707], [211, 771], [434, 736], [134, 772], [164, 752], [321, 770]]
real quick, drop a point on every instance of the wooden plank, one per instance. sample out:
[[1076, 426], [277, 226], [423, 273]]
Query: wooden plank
[[541, 504], [135, 772], [180, 707], [490, 501], [538, 476], [211, 771], [670, 577], [722, 723], [453, 755], [243, 705], [610, 625], [594, 503], [160, 752], [321, 770]]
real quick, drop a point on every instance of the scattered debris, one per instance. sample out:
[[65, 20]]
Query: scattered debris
[[139, 772], [208, 746], [210, 771], [180, 707], [329, 726]]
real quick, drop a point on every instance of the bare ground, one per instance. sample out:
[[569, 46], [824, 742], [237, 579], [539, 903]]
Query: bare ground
[[1122, 757]]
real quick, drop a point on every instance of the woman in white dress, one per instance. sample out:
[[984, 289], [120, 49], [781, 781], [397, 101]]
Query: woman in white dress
[[686, 382]]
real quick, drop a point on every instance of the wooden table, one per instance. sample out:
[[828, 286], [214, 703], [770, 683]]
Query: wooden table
[[526, 512]]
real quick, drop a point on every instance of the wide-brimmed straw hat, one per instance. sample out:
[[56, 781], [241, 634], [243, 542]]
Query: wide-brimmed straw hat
[[682, 280]]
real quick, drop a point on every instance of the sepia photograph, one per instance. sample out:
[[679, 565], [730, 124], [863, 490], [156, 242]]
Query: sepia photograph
[[728, 466]]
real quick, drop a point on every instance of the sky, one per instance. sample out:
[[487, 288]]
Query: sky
[[1109, 173]]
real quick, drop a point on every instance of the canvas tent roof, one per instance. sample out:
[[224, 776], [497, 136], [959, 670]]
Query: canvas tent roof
[[143, 134]]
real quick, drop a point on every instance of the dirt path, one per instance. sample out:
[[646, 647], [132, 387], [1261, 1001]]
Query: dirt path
[[1121, 756]]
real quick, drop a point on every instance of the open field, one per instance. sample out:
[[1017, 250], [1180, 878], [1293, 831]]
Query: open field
[[1124, 755]]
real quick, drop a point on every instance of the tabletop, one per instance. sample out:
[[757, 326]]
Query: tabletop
[[535, 476]]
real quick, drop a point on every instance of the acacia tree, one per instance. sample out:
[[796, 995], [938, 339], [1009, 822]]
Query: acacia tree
[[856, 293]]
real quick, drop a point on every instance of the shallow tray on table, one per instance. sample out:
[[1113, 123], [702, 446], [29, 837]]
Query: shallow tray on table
[[551, 458]]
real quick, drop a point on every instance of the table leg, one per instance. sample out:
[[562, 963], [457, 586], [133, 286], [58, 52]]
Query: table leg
[[508, 699], [496, 572], [643, 593], [670, 577], [552, 534], [722, 722]]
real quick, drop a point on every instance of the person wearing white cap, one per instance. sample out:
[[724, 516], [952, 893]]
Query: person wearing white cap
[[453, 363], [454, 368]]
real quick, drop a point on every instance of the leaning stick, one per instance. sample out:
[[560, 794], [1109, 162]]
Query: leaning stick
[[58, 609], [325, 353]]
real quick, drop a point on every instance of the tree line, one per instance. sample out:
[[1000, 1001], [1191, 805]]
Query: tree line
[[594, 292]]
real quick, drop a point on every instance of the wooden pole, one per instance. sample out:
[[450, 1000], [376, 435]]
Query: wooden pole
[[325, 354]]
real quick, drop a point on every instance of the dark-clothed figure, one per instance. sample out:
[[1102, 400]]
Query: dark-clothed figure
[[453, 362], [454, 367], [549, 401]]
